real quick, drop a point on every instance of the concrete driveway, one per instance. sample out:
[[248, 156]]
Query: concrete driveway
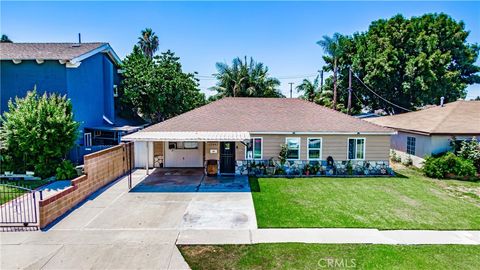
[[118, 229], [190, 180]]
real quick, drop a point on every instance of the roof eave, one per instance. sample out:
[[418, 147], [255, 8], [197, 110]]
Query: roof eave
[[105, 48]]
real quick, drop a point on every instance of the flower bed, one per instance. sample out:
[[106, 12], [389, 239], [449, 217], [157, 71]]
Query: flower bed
[[313, 168]]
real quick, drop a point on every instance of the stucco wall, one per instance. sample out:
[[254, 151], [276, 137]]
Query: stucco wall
[[85, 89], [17, 79], [89, 86], [422, 143], [141, 156]]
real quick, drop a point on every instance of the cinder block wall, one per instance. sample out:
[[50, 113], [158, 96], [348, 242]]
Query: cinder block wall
[[101, 168]]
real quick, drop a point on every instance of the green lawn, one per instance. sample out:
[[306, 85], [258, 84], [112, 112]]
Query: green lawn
[[8, 193], [409, 202], [317, 256]]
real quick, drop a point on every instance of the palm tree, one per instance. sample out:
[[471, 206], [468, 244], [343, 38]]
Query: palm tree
[[148, 42], [5, 39], [310, 89], [245, 79], [331, 46]]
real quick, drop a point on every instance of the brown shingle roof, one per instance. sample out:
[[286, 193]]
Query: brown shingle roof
[[266, 115], [46, 51], [459, 117]]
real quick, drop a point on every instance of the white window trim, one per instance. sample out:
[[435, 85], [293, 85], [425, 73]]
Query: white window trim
[[299, 147], [89, 136], [414, 145], [364, 147], [253, 150], [308, 148]]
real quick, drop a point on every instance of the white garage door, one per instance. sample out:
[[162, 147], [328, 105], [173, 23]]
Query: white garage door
[[183, 155]]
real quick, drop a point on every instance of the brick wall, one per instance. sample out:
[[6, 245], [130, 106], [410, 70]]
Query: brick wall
[[101, 168]]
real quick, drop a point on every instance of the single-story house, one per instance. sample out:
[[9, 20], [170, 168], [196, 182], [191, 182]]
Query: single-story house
[[235, 130], [430, 131], [87, 73]]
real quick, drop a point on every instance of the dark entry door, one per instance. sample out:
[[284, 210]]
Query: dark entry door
[[227, 157]]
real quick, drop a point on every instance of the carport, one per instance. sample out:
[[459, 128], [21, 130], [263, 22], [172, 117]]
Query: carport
[[190, 180], [155, 149]]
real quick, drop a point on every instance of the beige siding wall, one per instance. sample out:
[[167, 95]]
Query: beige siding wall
[[377, 146], [212, 150]]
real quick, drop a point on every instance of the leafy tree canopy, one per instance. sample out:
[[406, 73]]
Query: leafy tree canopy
[[157, 88], [245, 79], [410, 62], [37, 132]]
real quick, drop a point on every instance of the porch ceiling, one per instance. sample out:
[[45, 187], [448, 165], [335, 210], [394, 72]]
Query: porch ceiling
[[196, 136]]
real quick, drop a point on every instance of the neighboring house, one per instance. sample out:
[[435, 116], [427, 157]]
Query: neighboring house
[[430, 131], [232, 130], [86, 72]]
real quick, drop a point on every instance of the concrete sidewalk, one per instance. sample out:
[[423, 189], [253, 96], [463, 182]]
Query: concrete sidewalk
[[328, 236]]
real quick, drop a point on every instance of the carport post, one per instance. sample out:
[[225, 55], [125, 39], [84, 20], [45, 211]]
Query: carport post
[[148, 155]]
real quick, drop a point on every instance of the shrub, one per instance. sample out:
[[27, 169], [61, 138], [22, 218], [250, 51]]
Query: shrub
[[37, 132], [66, 170], [408, 161], [470, 150], [394, 157], [282, 156], [448, 165]]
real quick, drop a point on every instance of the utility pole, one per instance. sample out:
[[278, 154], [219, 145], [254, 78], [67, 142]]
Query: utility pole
[[321, 80], [291, 88], [349, 104], [335, 84]]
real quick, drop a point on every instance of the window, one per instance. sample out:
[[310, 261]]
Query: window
[[190, 145], [314, 148], [87, 139], [411, 145], [356, 148], [115, 90], [254, 149], [293, 148]]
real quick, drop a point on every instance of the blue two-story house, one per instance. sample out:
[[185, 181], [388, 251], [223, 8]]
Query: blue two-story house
[[88, 73]]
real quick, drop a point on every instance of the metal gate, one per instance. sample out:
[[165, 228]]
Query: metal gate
[[19, 205]]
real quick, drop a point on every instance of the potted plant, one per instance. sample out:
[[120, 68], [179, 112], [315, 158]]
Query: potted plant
[[271, 167], [282, 156], [306, 169], [349, 168]]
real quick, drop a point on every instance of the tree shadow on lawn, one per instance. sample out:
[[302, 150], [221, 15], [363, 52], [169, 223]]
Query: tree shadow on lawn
[[254, 185]]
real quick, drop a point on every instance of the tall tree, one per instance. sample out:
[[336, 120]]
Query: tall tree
[[148, 42], [413, 62], [332, 47], [158, 89], [245, 79], [309, 89], [5, 39]]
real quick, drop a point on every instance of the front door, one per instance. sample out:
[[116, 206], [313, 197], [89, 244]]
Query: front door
[[227, 157]]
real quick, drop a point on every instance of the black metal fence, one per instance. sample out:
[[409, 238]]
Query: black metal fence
[[18, 204]]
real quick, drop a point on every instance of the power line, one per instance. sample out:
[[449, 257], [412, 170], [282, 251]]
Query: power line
[[389, 102], [284, 77]]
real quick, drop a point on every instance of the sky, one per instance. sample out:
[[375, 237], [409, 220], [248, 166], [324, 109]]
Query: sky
[[282, 35]]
